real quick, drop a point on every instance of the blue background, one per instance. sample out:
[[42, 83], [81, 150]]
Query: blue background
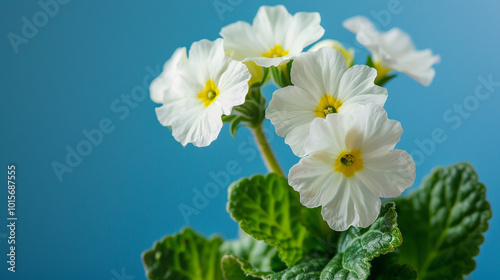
[[126, 193]]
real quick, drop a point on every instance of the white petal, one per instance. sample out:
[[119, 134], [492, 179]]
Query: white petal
[[242, 42], [304, 30], [328, 136], [379, 133], [272, 23], [164, 81], [418, 65], [366, 33], [209, 58], [358, 81], [396, 43], [319, 72], [327, 43], [268, 62], [168, 114], [353, 204], [357, 24], [191, 122], [200, 129], [313, 177], [388, 174], [424, 77], [233, 86], [291, 111]]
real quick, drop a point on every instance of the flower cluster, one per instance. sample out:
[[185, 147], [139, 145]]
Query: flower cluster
[[329, 110]]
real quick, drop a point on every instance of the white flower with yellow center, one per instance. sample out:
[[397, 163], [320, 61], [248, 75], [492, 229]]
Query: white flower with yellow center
[[274, 38], [351, 163], [197, 91], [393, 49], [322, 85], [334, 44]]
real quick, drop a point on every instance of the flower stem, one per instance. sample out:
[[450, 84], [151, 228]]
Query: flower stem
[[266, 151]]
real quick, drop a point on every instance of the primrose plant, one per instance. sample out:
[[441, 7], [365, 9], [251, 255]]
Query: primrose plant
[[326, 219]]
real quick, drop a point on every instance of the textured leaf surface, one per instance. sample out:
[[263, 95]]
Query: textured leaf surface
[[235, 269], [357, 247], [307, 269], [268, 209], [444, 221], [328, 239], [184, 256], [387, 267], [258, 254]]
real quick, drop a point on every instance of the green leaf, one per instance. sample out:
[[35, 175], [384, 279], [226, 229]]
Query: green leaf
[[228, 118], [281, 74], [384, 80], [387, 267], [265, 78], [444, 222], [250, 114], [357, 247], [235, 269], [235, 125], [258, 254], [267, 208], [369, 62], [184, 256], [307, 269], [312, 219]]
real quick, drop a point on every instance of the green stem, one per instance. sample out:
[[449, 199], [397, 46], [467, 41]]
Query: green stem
[[266, 151]]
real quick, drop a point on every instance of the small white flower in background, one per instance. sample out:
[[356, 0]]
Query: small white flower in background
[[351, 163], [393, 49], [322, 85], [274, 38], [348, 53], [197, 91]]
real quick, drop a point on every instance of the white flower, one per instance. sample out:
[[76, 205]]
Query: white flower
[[322, 85], [198, 90], [274, 38], [393, 49], [348, 53], [352, 162]]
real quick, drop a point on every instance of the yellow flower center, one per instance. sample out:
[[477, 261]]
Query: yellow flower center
[[276, 51], [327, 105], [382, 70], [348, 163], [209, 94]]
